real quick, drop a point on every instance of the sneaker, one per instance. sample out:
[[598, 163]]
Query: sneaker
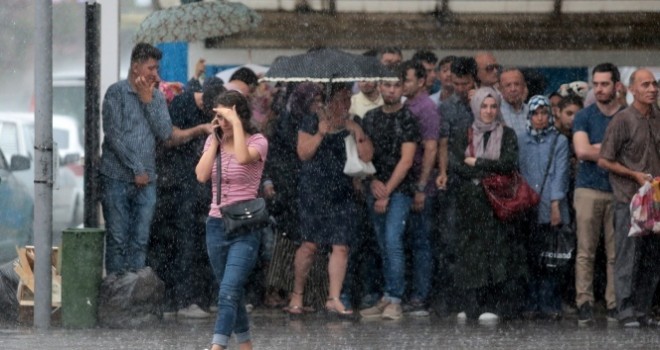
[[416, 308], [376, 310], [213, 308], [461, 317], [392, 312], [488, 318], [612, 315], [192, 311], [630, 322], [585, 314]]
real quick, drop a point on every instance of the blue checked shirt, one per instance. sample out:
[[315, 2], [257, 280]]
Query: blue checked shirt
[[130, 130]]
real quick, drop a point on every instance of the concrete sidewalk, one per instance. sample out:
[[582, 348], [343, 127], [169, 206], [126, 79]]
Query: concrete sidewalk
[[274, 330]]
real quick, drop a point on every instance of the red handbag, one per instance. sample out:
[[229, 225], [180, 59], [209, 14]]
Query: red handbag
[[509, 195]]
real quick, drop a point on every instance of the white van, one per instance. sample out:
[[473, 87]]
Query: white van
[[17, 138]]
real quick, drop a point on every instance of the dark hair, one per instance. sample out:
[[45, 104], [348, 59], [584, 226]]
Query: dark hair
[[302, 98], [447, 59], [370, 53], [608, 68], [420, 71], [553, 94], [426, 56], [389, 49], [213, 87], [337, 87], [570, 99], [245, 75], [464, 66], [234, 98], [143, 51]]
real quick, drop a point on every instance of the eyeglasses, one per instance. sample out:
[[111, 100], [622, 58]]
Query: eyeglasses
[[492, 67]]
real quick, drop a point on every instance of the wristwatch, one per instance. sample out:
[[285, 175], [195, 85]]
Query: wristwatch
[[420, 187]]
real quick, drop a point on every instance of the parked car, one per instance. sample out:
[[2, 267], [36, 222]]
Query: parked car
[[17, 138], [16, 208]]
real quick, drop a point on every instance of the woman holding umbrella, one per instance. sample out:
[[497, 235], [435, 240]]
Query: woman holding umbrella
[[327, 204]]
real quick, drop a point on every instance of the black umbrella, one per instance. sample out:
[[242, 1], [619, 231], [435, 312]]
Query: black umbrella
[[327, 66]]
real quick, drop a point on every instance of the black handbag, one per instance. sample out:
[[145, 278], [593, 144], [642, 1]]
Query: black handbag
[[242, 217], [558, 248]]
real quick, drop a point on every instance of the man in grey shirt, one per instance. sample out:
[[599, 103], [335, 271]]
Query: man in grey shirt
[[135, 116]]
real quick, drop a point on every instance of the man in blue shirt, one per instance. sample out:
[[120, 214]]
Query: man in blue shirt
[[134, 116], [593, 193]]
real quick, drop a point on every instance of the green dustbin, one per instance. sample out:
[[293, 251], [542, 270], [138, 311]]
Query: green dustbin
[[82, 273]]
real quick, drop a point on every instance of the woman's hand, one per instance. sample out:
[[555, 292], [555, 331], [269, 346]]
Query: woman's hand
[[470, 161], [228, 114]]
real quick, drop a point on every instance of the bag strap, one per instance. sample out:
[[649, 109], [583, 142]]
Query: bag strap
[[547, 168], [218, 165]]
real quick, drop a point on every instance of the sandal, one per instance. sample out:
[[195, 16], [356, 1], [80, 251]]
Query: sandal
[[334, 310], [295, 309]]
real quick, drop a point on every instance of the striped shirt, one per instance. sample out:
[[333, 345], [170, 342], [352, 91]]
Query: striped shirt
[[239, 182], [130, 130]]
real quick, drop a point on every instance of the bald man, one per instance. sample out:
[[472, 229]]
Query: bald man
[[630, 152]]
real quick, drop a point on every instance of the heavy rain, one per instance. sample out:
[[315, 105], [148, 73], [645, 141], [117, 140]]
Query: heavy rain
[[350, 174]]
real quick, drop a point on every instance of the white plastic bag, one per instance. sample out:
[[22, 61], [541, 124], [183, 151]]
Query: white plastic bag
[[354, 165]]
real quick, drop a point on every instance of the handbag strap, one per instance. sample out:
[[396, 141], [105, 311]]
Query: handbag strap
[[547, 168], [218, 171]]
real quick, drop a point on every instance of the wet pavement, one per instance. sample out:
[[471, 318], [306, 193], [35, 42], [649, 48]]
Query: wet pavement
[[272, 329]]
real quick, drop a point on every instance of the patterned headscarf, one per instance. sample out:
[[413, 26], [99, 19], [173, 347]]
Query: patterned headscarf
[[534, 104]]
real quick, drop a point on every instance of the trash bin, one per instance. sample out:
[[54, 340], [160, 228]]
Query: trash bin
[[82, 273]]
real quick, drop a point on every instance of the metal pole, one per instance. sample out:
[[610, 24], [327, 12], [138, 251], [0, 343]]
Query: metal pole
[[43, 163], [92, 111]]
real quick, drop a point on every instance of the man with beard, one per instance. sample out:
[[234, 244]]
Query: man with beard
[[514, 92], [593, 199], [630, 153], [367, 99], [394, 134]]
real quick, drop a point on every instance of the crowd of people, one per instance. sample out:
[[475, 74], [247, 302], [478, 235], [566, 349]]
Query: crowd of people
[[416, 237]]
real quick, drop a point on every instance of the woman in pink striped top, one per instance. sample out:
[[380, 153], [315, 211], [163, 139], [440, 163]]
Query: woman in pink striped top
[[242, 152]]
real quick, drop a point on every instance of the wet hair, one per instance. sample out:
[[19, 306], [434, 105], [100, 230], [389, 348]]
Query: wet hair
[[143, 51], [446, 59], [335, 88], [212, 88], [370, 53], [571, 99], [426, 56], [420, 71], [509, 70], [608, 68], [234, 98], [245, 75], [302, 98], [464, 66]]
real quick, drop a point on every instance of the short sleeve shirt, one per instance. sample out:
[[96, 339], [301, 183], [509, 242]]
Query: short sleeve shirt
[[593, 122], [239, 182], [388, 131], [428, 121], [634, 141]]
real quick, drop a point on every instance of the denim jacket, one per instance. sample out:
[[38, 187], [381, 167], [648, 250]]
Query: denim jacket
[[533, 157]]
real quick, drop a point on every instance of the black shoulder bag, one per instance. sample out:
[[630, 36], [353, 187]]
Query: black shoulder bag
[[242, 217]]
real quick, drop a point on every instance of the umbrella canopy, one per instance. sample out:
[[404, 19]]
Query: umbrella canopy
[[326, 66], [196, 21], [227, 73]]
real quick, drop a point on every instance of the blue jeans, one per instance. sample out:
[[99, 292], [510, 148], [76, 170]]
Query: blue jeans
[[232, 261], [419, 236], [128, 211], [390, 228]]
